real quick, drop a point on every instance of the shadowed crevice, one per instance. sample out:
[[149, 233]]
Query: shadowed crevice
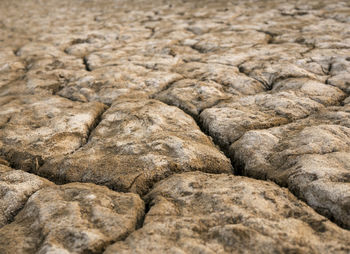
[[86, 64]]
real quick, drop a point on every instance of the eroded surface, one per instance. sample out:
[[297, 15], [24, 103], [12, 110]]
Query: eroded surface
[[71, 218], [16, 187], [127, 93], [137, 143], [310, 156], [205, 213], [34, 128]]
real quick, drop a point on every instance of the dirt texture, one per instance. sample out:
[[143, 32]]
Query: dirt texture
[[174, 126]]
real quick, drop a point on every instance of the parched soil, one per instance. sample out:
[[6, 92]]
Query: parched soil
[[168, 126]]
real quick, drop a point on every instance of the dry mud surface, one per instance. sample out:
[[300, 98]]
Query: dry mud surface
[[174, 126]]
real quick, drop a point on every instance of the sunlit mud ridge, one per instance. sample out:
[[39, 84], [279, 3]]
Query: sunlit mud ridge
[[174, 126]]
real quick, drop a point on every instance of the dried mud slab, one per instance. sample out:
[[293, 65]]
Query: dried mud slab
[[207, 84], [11, 67], [229, 76], [34, 128], [222, 40], [289, 100], [192, 95], [110, 83], [137, 143], [72, 218], [267, 80], [16, 187], [205, 213], [310, 157], [269, 71]]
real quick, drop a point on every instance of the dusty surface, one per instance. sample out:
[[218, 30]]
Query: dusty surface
[[137, 143], [71, 218], [16, 187], [111, 98], [310, 156], [35, 128], [190, 214]]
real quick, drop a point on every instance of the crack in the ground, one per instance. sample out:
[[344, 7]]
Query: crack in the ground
[[197, 120], [204, 62], [17, 211], [86, 64], [94, 125], [32, 163], [241, 69], [139, 225], [37, 161], [270, 34], [166, 87], [153, 31]]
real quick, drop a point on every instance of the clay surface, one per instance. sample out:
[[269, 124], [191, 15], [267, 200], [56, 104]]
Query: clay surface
[[137, 143], [205, 213], [212, 126], [72, 218], [310, 156]]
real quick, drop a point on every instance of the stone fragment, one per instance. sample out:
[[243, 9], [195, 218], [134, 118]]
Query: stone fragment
[[72, 218], [310, 157], [34, 128], [16, 187], [205, 213], [137, 143]]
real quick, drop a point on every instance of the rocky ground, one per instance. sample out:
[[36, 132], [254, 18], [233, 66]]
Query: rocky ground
[[174, 126]]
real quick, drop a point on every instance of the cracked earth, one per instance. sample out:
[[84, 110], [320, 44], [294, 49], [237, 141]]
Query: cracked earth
[[174, 126]]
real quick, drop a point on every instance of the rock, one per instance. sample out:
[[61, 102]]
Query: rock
[[310, 157], [205, 213], [137, 143], [72, 218], [34, 128], [16, 187]]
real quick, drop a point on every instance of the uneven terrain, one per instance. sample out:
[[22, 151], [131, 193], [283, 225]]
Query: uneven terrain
[[133, 126]]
